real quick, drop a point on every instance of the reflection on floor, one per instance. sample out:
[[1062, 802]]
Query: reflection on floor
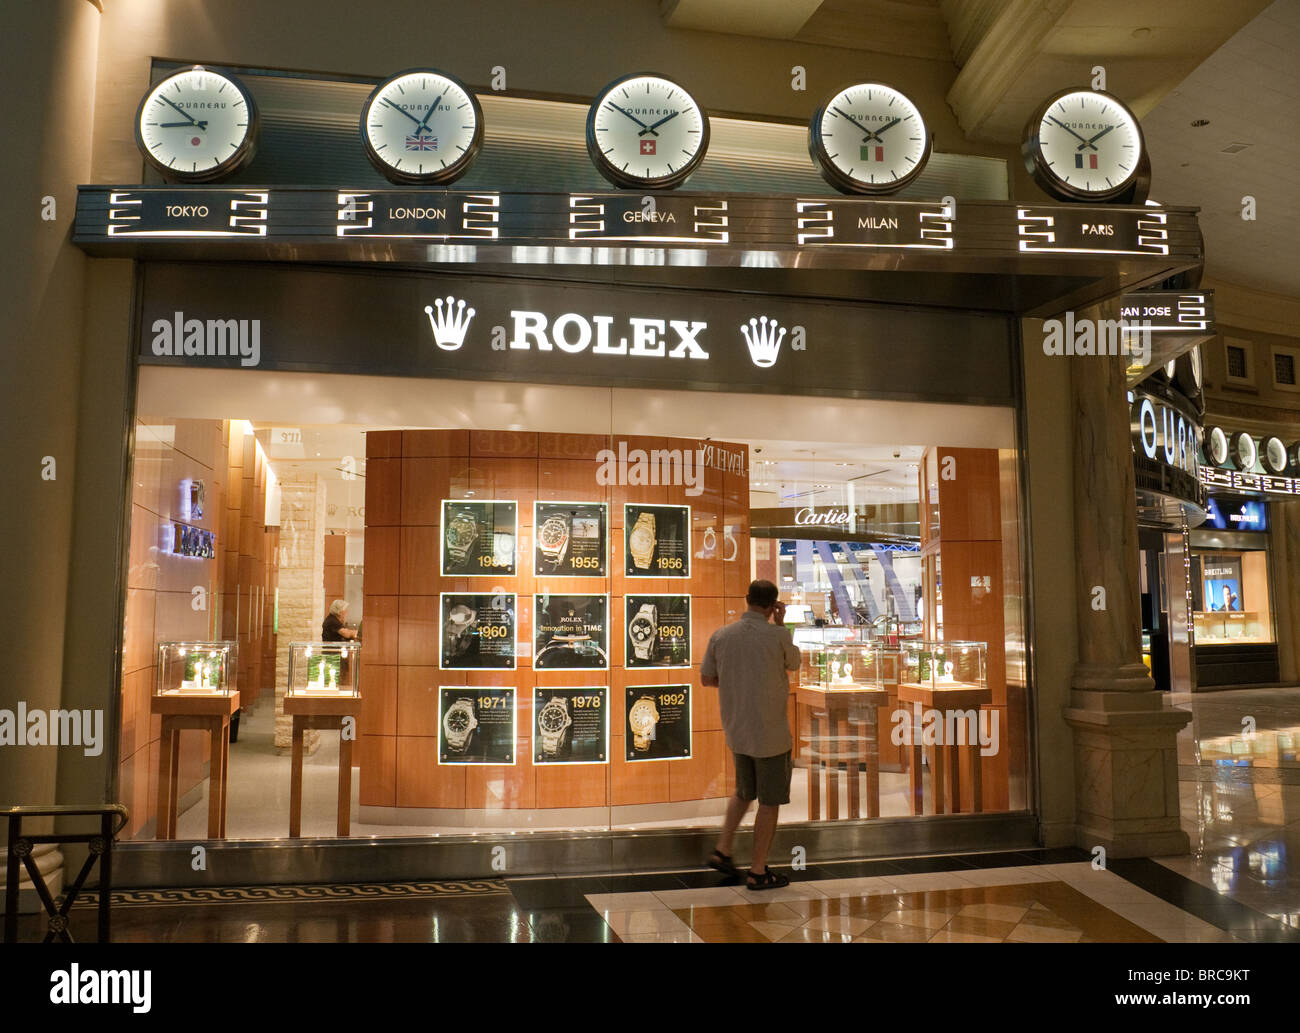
[[1035, 896], [1239, 787]]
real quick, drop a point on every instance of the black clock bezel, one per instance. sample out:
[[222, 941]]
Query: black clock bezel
[[841, 180], [454, 170], [240, 157], [625, 180], [1132, 190]]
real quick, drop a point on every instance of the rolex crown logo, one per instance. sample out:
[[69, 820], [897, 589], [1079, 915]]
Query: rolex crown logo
[[449, 324], [764, 339]]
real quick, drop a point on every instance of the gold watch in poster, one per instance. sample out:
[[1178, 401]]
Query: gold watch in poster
[[641, 542], [642, 719]]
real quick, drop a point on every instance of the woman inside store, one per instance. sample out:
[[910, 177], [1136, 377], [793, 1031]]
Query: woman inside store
[[334, 628]]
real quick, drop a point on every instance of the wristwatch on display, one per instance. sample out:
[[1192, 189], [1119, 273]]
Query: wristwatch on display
[[553, 539], [462, 533], [553, 721], [459, 723], [641, 542], [642, 630], [458, 630], [642, 719], [578, 645]]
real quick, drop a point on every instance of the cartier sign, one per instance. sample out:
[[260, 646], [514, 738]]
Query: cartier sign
[[826, 518]]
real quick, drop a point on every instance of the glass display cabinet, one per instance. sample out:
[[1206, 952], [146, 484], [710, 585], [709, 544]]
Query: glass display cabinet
[[944, 665], [1217, 626], [837, 658], [196, 669], [324, 670]]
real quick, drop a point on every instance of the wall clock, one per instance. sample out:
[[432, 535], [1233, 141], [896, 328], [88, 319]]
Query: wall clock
[[646, 131], [869, 139], [421, 126], [1216, 446], [1243, 451], [197, 125], [1274, 454], [1085, 145]]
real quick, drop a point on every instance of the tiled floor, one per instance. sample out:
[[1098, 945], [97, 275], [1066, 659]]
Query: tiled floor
[[1034, 903], [1239, 783]]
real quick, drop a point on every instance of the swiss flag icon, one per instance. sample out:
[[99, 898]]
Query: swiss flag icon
[[647, 147]]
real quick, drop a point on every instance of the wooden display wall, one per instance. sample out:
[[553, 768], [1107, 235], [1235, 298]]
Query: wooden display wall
[[408, 475], [238, 581]]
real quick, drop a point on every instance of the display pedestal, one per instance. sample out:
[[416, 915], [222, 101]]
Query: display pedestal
[[835, 708], [321, 712], [209, 714], [945, 757]]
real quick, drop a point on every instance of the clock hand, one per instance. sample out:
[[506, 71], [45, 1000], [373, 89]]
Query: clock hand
[[424, 122], [1066, 128], [869, 132], [402, 110], [187, 125], [629, 115], [651, 129], [182, 111], [1091, 143], [887, 125]]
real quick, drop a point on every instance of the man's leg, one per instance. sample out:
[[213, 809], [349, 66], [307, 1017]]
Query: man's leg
[[736, 808], [764, 830]]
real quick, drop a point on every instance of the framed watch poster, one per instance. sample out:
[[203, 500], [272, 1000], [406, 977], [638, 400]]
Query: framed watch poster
[[657, 722], [658, 630], [571, 725], [657, 541], [571, 539], [477, 631], [478, 538], [570, 632], [476, 725]]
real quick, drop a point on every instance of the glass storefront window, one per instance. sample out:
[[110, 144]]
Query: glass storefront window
[[1231, 598], [532, 574]]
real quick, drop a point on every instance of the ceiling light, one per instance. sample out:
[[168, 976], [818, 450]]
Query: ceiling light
[[1198, 123], [1234, 148]]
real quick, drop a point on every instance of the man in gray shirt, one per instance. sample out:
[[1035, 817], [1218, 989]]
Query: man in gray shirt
[[748, 661]]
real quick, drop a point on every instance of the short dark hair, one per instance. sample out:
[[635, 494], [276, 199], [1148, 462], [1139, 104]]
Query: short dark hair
[[762, 593]]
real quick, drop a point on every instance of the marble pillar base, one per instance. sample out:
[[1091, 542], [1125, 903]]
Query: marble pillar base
[[1126, 773]]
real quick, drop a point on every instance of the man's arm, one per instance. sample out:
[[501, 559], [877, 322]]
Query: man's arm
[[793, 661], [709, 666]]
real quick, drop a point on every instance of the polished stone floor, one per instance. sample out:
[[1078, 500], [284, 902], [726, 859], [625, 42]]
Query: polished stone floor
[[1034, 896], [1240, 791], [1239, 783]]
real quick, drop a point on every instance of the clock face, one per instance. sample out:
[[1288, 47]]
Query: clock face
[[458, 719], [1216, 446], [196, 125], [1084, 145], [646, 131], [421, 126], [869, 139]]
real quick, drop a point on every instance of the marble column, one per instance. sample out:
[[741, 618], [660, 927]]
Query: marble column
[[302, 587], [1125, 761]]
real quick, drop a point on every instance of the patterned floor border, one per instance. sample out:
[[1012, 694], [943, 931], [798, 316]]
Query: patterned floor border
[[348, 892]]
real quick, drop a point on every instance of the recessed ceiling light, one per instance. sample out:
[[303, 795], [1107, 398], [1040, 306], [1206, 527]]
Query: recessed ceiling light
[[1234, 148]]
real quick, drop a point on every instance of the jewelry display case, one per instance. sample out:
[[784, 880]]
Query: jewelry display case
[[944, 665], [324, 670], [196, 669]]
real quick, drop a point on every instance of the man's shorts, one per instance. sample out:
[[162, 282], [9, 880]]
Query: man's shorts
[[767, 778]]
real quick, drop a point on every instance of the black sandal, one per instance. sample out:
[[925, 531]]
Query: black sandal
[[769, 880], [721, 862]]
